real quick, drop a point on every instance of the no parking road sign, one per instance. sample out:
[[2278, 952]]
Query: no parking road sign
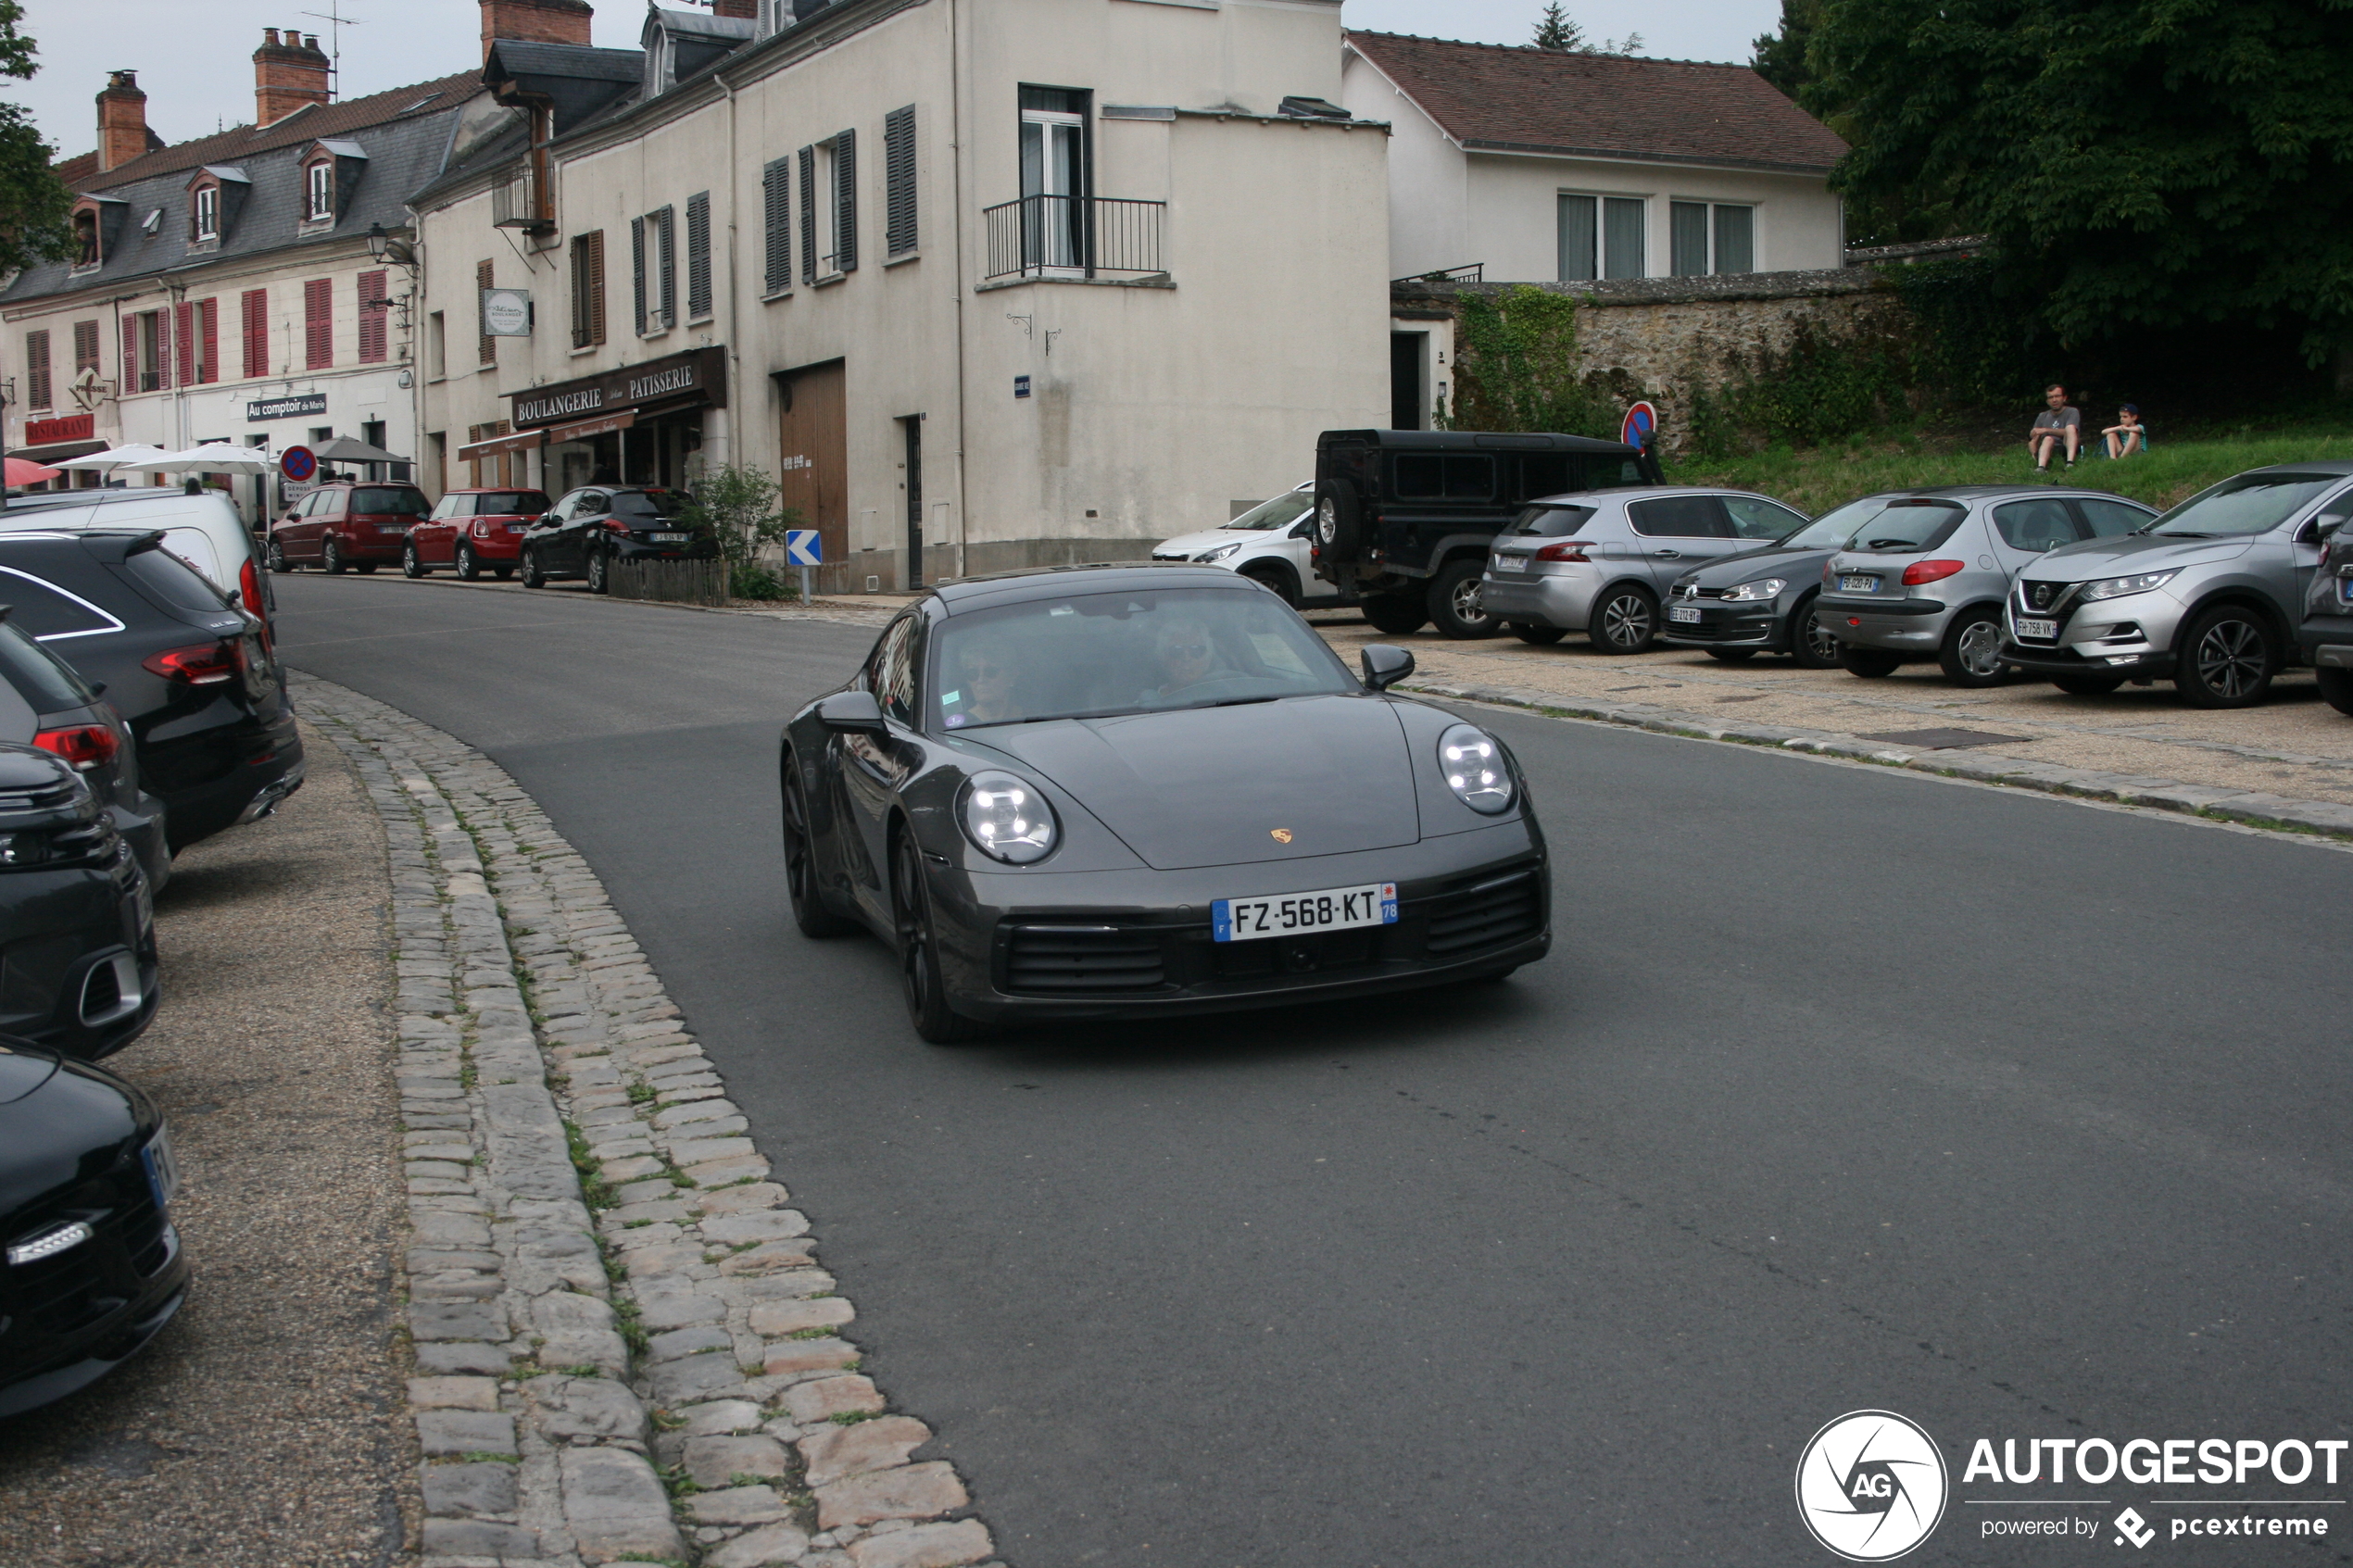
[[803, 548]]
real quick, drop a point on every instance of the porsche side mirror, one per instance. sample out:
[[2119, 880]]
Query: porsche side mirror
[[850, 711], [1385, 664]]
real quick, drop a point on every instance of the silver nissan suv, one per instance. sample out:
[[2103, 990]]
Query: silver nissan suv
[[2210, 594]]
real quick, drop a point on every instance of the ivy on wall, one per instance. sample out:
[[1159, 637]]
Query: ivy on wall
[[1516, 366]]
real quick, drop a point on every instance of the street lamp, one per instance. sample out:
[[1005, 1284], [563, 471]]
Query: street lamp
[[383, 247]]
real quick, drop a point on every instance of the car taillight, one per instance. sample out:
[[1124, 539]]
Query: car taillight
[[1568, 549], [615, 525], [85, 745], [206, 664], [1921, 572]]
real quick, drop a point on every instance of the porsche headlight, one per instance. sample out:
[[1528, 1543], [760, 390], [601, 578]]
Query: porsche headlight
[[1007, 819], [2117, 587], [1221, 552], [1474, 767], [1763, 589]]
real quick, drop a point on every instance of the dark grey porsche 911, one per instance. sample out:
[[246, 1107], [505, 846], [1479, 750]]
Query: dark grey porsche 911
[[1138, 791]]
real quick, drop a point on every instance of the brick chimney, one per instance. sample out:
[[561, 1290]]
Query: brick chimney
[[286, 75], [122, 120], [742, 10], [535, 21]]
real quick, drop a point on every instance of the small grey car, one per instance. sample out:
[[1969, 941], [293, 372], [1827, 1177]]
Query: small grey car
[[1599, 561], [1926, 577], [2210, 594]]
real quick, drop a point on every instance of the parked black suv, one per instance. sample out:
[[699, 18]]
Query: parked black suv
[[1404, 517], [584, 534]]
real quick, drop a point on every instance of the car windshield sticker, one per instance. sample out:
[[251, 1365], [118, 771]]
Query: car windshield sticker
[[951, 699]]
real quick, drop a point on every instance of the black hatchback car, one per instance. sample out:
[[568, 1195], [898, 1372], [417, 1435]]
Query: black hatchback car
[[44, 702], [91, 1267], [194, 676], [77, 922], [584, 534]]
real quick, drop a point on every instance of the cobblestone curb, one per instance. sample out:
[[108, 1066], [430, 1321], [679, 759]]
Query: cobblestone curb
[[2249, 807], [624, 1349]]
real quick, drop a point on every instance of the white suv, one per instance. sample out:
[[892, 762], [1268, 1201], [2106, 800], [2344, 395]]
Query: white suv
[[202, 528], [1267, 543]]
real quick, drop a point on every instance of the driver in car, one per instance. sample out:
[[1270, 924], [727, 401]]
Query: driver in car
[[1188, 657], [987, 669]]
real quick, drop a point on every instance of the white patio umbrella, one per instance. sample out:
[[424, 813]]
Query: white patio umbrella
[[215, 457], [137, 455]]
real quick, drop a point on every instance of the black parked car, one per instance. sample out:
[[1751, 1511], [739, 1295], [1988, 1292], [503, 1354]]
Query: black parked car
[[92, 1266], [44, 702], [1762, 601], [1030, 791], [1404, 517], [77, 921], [584, 534], [194, 676]]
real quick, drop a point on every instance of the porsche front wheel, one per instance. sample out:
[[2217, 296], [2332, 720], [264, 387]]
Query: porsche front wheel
[[927, 1007]]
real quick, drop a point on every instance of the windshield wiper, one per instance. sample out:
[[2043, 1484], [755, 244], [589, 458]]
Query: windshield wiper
[[1237, 701], [2169, 533]]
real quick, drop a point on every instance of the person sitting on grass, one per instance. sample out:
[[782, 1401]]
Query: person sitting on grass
[[2126, 434], [2058, 425]]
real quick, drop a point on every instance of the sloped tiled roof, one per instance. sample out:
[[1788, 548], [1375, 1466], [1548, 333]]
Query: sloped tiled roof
[[75, 174], [1496, 97], [296, 130]]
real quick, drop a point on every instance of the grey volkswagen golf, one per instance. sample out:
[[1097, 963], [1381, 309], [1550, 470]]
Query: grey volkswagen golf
[[1926, 577], [2209, 594]]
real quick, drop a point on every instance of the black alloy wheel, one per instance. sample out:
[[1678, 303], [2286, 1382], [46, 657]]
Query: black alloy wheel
[[468, 569], [1812, 645], [1276, 581], [2336, 687], [1395, 614], [1529, 632], [1869, 663], [1625, 619], [2087, 685], [809, 910], [277, 561], [532, 576], [1972, 654], [1454, 602], [1733, 656], [411, 563], [600, 570], [927, 1007], [331, 557], [2227, 660]]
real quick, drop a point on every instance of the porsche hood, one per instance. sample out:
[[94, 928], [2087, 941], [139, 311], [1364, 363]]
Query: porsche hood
[[1214, 786]]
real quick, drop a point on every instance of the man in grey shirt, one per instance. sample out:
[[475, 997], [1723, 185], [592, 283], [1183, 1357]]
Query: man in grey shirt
[[2057, 425]]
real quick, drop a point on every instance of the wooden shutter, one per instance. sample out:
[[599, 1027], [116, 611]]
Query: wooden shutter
[[207, 340], [808, 215], [374, 306], [899, 180], [85, 346], [597, 288], [36, 369], [665, 237], [638, 270], [484, 279], [776, 186], [318, 323], [184, 343], [129, 332], [699, 256], [846, 202], [257, 324]]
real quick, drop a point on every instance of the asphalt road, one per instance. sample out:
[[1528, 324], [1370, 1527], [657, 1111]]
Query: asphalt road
[[1842, 1088]]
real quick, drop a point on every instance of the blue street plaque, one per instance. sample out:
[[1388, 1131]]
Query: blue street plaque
[[803, 548]]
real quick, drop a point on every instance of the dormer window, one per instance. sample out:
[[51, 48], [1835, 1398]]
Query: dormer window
[[320, 184], [207, 214], [85, 239]]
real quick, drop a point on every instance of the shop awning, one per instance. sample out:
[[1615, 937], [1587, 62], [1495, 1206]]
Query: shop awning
[[581, 429], [521, 440], [57, 452]]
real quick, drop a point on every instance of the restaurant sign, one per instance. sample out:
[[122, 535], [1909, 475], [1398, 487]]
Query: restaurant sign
[[698, 375]]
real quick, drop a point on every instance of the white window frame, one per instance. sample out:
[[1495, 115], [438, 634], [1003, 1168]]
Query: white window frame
[[208, 212], [1601, 200], [1715, 260], [319, 191]]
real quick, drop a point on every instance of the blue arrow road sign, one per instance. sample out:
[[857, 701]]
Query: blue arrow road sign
[[802, 548]]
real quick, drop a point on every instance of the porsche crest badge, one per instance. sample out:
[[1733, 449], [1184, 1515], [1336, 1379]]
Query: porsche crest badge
[[1282, 835]]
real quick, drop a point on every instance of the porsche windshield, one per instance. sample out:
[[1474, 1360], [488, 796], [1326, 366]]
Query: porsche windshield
[[1093, 655]]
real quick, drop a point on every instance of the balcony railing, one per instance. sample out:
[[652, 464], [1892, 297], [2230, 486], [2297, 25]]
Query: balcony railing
[[1075, 237], [522, 202]]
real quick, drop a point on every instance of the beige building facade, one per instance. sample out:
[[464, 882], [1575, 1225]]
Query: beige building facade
[[984, 283]]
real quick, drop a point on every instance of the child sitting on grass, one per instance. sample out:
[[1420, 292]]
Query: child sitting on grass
[[2126, 434]]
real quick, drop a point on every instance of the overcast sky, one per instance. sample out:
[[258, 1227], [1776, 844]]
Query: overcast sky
[[195, 57]]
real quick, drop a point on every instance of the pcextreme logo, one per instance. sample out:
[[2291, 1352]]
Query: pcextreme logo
[[1871, 1485]]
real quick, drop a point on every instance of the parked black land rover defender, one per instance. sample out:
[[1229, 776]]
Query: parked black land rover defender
[[1404, 517]]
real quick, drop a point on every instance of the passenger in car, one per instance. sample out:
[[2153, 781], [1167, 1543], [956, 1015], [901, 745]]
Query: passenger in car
[[1187, 656]]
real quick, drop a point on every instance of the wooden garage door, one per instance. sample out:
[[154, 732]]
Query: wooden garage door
[[814, 472]]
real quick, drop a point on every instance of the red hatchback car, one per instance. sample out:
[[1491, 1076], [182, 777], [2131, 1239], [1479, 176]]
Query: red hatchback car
[[346, 524], [474, 531]]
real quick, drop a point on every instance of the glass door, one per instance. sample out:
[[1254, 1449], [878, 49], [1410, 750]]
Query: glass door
[[1054, 188]]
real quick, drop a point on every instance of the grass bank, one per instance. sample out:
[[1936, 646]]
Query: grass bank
[[1819, 478]]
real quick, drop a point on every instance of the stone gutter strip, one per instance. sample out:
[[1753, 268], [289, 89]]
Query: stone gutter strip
[[2250, 808], [624, 1349]]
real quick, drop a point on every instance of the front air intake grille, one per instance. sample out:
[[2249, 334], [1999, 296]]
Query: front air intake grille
[[1507, 910], [1078, 959], [58, 1295]]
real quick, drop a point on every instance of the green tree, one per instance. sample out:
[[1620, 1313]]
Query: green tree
[[35, 208], [737, 505], [1555, 32], [2141, 164], [1780, 56]]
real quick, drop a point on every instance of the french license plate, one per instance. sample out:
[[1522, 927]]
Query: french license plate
[[2345, 589], [670, 538], [1682, 612], [1859, 585], [2028, 626], [1337, 909], [163, 1170], [1511, 563]]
